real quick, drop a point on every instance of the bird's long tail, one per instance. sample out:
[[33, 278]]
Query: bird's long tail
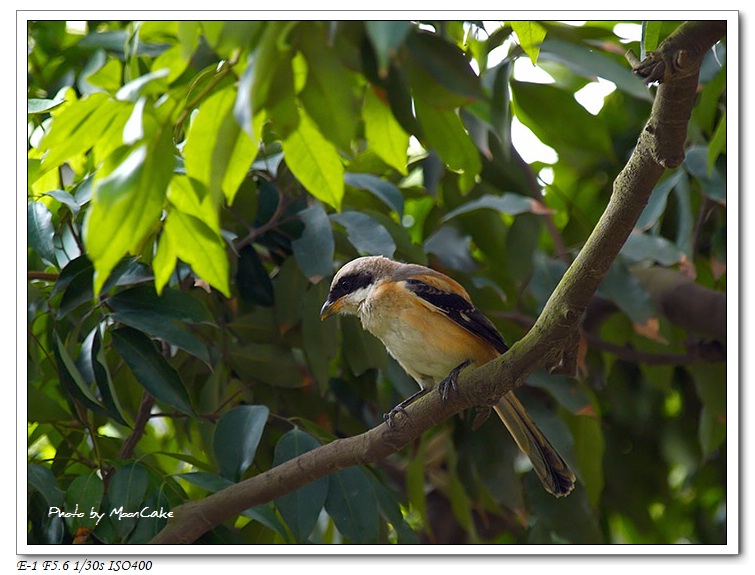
[[552, 470]]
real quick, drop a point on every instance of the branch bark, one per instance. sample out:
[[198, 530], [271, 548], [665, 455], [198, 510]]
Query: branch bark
[[550, 342]]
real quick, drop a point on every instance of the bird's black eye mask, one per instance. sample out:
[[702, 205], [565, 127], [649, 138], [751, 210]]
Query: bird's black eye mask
[[350, 283]]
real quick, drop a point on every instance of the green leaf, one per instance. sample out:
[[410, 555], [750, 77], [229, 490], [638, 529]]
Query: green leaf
[[384, 133], [320, 337], [190, 239], [315, 162], [41, 105], [42, 479], [509, 203], [625, 291], [387, 192], [72, 379], [361, 349], [386, 37], [151, 369], [445, 133], [170, 305], [248, 118], [300, 509], [315, 248], [84, 494], [352, 506], [365, 234], [446, 63], [647, 247], [94, 366], [271, 364], [150, 84], [331, 94], [531, 35], [40, 231], [717, 144], [168, 330], [537, 104], [591, 63], [127, 202], [126, 490], [237, 436], [651, 31], [218, 152], [710, 384], [212, 482], [656, 205], [589, 447], [76, 127]]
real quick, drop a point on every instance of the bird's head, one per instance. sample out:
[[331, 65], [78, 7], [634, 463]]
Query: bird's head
[[354, 282]]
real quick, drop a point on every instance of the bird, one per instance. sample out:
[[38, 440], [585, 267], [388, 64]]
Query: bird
[[429, 325]]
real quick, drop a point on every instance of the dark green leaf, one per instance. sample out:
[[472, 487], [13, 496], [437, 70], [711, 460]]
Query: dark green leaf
[[656, 205], [445, 62], [40, 230], [206, 480], [252, 279], [271, 364], [591, 63], [445, 133], [170, 304], [155, 374], [365, 234], [41, 479], [84, 494], [126, 491], [383, 189], [72, 379], [625, 291], [509, 203], [352, 506], [647, 247], [237, 436], [93, 366], [320, 337], [315, 248], [386, 37], [300, 509], [537, 104], [361, 349]]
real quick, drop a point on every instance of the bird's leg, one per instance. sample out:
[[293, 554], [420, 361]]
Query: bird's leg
[[450, 381], [401, 407]]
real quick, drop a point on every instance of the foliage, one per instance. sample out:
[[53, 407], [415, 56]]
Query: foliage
[[192, 186]]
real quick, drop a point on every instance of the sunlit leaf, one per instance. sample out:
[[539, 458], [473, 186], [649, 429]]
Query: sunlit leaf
[[531, 35], [315, 162]]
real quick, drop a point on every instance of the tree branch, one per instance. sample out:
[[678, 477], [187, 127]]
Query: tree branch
[[660, 146]]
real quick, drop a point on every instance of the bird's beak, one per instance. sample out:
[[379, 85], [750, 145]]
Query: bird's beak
[[330, 308]]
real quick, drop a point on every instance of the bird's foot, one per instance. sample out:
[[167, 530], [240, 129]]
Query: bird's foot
[[450, 381], [401, 407]]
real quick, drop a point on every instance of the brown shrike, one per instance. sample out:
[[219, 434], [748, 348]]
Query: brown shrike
[[428, 323]]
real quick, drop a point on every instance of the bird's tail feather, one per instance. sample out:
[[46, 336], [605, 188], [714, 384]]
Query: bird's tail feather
[[552, 470]]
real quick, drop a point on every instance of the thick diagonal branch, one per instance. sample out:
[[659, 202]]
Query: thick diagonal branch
[[549, 343]]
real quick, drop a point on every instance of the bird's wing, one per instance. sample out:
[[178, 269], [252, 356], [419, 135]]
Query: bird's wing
[[456, 308]]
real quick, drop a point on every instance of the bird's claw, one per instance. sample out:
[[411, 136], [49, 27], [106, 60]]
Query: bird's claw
[[450, 381]]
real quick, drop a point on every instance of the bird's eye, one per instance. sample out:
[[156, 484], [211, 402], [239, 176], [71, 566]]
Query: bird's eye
[[345, 284]]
